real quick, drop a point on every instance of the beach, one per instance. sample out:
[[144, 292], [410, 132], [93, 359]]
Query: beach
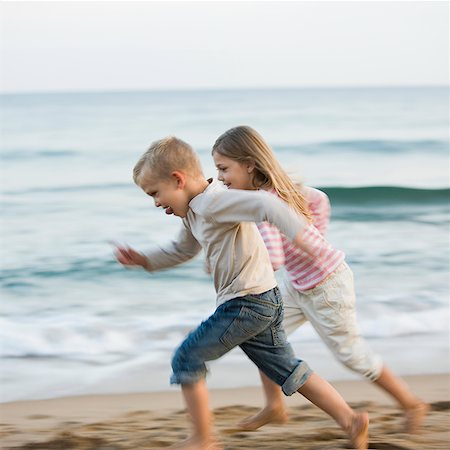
[[74, 322], [86, 345], [158, 419], [353, 98]]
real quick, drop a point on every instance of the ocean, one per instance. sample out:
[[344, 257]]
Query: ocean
[[73, 321]]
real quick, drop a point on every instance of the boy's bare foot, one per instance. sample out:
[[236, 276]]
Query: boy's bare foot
[[195, 443], [415, 416], [359, 431], [263, 417]]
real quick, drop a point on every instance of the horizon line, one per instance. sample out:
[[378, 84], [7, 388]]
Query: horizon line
[[222, 89]]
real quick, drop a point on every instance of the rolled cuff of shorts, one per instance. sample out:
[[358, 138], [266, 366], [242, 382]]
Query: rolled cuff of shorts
[[375, 372], [297, 379], [187, 377]]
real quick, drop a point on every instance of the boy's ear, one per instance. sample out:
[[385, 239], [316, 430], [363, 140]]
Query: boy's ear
[[180, 179]]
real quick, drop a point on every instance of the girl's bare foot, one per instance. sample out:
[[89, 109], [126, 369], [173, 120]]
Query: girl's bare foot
[[263, 417], [195, 443], [359, 431], [415, 416]]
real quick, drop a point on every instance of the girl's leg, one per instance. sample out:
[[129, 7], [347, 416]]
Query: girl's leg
[[322, 394], [274, 410], [333, 315], [415, 409]]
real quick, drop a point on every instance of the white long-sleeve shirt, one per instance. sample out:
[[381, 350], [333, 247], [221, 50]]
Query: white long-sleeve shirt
[[222, 222], [304, 271]]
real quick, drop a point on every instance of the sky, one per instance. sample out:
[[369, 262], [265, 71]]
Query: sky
[[117, 46]]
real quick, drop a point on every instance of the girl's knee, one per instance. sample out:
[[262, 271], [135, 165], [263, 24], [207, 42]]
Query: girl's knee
[[367, 364]]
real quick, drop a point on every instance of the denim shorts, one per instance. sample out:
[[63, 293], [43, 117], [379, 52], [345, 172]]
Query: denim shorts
[[254, 323]]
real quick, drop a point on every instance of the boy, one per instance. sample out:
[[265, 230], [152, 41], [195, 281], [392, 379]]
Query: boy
[[249, 307]]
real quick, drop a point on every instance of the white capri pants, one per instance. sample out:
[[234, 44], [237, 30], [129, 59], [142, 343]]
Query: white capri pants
[[330, 307]]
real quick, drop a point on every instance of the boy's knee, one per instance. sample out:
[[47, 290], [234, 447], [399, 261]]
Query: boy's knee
[[186, 370], [179, 359]]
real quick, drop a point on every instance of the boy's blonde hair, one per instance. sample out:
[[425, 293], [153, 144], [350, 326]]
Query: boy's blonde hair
[[244, 144], [166, 156]]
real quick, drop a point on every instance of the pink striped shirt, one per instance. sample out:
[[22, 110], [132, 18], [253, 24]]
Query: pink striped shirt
[[305, 271]]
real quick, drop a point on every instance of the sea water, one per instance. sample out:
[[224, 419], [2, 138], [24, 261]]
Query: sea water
[[74, 321]]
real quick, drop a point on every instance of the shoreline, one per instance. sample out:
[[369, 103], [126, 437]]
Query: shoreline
[[24, 380], [148, 420]]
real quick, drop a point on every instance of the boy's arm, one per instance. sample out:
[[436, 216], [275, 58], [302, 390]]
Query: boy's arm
[[176, 252], [250, 206]]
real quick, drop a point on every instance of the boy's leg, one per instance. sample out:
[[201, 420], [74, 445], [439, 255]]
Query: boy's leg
[[209, 341], [274, 410], [196, 398], [323, 395], [271, 352]]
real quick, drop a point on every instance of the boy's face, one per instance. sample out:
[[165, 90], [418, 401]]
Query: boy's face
[[167, 193]]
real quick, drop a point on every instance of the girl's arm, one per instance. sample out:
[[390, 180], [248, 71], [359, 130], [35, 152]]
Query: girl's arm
[[319, 205], [274, 244]]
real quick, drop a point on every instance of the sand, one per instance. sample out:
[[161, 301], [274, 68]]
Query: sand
[[158, 419]]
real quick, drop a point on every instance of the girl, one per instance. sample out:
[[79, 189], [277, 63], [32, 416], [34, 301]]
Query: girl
[[316, 288]]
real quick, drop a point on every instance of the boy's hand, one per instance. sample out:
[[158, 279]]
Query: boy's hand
[[129, 257]]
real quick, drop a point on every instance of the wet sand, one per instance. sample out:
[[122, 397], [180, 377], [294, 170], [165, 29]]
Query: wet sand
[[158, 419]]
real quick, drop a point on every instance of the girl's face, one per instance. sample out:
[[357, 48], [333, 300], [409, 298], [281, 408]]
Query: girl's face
[[234, 174]]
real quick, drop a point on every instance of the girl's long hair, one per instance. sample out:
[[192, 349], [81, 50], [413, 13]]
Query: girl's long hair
[[244, 144]]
